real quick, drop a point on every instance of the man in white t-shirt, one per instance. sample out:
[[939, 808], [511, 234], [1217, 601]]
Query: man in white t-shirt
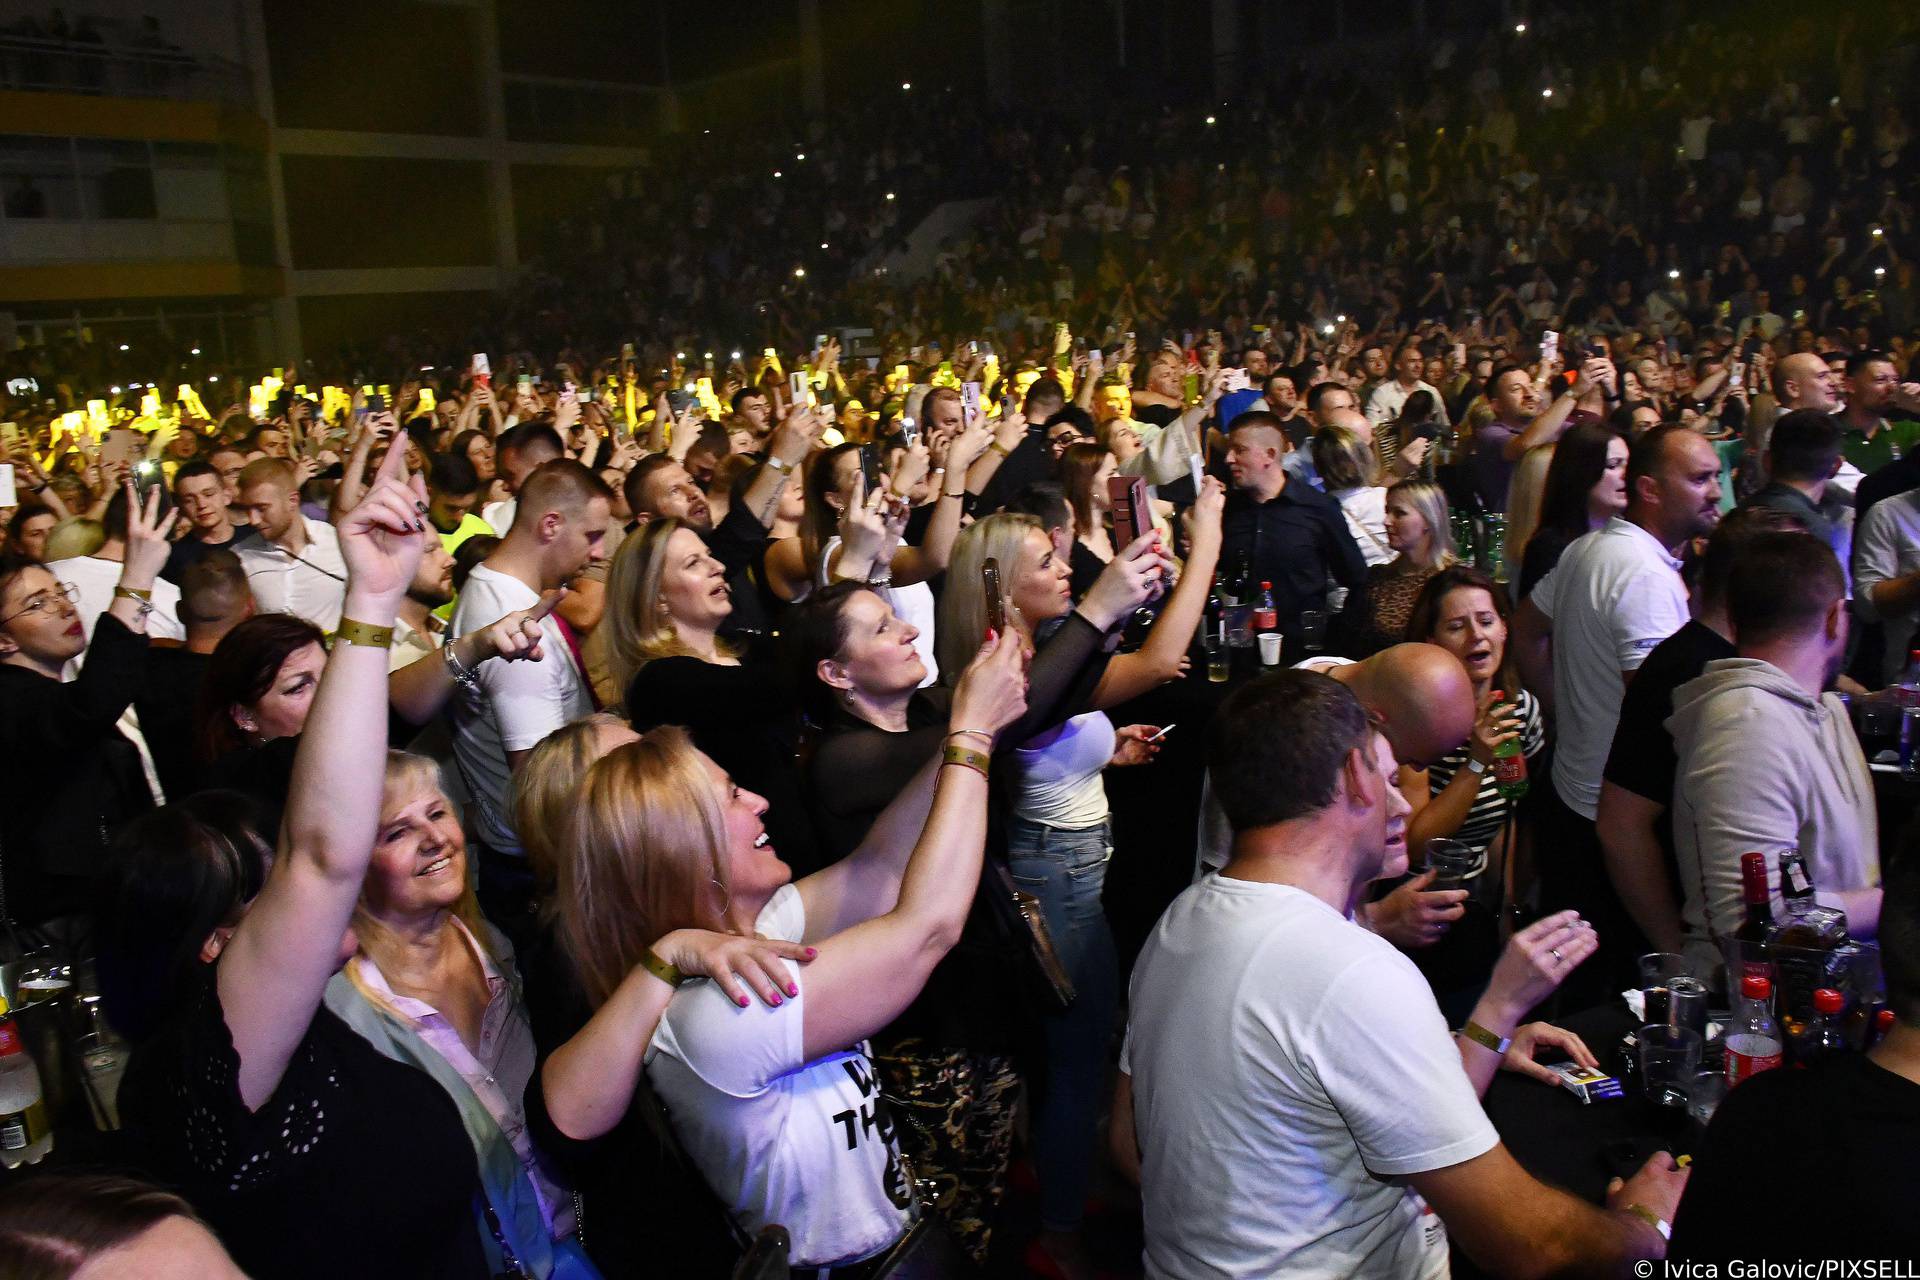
[[1581, 635], [296, 568], [559, 529], [1289, 1089], [1422, 700]]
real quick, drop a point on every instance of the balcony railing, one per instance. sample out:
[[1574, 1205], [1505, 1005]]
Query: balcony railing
[[69, 66]]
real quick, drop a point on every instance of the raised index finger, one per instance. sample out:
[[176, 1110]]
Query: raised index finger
[[549, 601]]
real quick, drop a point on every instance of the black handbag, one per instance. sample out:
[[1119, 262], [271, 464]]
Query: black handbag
[[1019, 915]]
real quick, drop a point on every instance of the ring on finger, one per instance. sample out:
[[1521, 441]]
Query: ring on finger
[[1555, 951]]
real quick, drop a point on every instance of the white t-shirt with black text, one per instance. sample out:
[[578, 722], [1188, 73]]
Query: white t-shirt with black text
[[516, 704], [1289, 1069], [808, 1145]]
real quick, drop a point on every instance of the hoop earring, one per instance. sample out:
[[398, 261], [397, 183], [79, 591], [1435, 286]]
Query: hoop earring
[[726, 894]]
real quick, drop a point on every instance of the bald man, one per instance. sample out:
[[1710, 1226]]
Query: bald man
[[1422, 699]]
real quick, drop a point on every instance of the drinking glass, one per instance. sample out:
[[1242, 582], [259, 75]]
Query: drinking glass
[[1669, 1059], [1313, 630], [1219, 659], [1704, 1095]]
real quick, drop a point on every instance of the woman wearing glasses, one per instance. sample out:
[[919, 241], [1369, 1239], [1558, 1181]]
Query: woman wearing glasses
[[71, 778]]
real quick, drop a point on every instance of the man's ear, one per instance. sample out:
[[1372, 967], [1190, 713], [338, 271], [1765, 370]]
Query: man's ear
[[1359, 780]]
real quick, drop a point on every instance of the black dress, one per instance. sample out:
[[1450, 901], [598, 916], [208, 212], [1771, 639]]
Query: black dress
[[357, 1165], [747, 719]]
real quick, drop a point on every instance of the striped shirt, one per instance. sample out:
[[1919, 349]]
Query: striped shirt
[[1491, 810]]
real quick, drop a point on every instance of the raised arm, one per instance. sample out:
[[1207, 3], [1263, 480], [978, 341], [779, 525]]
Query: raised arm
[[929, 559], [276, 966], [875, 956], [1158, 660]]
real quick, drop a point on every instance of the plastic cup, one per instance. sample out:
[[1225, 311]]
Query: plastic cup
[[1704, 1096], [1669, 1060], [1269, 648], [1452, 862]]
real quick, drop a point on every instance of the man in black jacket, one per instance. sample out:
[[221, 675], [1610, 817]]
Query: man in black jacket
[[1285, 533]]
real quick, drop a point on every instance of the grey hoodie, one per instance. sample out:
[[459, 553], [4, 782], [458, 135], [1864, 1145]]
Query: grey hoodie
[[1764, 766]]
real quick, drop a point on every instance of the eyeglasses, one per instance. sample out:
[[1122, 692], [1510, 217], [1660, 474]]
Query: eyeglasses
[[45, 601]]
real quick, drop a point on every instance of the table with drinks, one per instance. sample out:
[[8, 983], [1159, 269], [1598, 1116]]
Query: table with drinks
[[60, 1063], [1781, 991]]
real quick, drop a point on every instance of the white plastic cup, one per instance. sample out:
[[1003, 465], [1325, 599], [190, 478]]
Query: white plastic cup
[[1269, 648]]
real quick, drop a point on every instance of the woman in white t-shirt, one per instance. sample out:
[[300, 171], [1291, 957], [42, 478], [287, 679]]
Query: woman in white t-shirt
[[1058, 838], [779, 1107]]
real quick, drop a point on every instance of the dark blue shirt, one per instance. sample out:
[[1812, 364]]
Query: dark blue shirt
[[1299, 542]]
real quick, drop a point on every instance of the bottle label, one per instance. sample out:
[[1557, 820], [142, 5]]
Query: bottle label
[[1510, 768], [1742, 1065], [10, 1038], [1794, 872], [21, 1129], [1266, 620]]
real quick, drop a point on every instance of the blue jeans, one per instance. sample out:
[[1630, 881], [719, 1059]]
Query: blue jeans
[[1066, 871]]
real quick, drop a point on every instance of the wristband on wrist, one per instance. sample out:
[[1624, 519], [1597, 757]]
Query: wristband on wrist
[[1474, 765], [1484, 1038], [132, 593], [1651, 1218], [999, 448], [966, 758], [667, 973], [363, 633]]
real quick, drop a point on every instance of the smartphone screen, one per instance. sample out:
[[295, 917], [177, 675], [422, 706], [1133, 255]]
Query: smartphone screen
[[995, 597]]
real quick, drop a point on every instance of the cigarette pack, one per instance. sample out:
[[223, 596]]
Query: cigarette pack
[[1587, 1085]]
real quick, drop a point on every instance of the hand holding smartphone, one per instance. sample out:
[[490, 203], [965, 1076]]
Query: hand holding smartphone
[[995, 597]]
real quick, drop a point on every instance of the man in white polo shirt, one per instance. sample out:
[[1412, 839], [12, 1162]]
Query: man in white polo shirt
[[297, 567], [1289, 1090], [1581, 635], [559, 528]]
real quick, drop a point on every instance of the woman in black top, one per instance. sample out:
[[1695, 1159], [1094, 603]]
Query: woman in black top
[[1586, 486], [671, 595], [308, 1149], [70, 778], [1084, 472]]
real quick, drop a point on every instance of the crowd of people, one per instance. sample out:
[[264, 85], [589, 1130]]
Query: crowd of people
[[566, 814]]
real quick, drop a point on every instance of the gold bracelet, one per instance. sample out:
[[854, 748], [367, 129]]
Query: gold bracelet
[[667, 973], [1485, 1038], [133, 593], [966, 758], [364, 634], [999, 448]]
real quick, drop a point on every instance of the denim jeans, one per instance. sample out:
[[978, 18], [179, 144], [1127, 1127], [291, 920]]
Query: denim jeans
[[1066, 871]]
